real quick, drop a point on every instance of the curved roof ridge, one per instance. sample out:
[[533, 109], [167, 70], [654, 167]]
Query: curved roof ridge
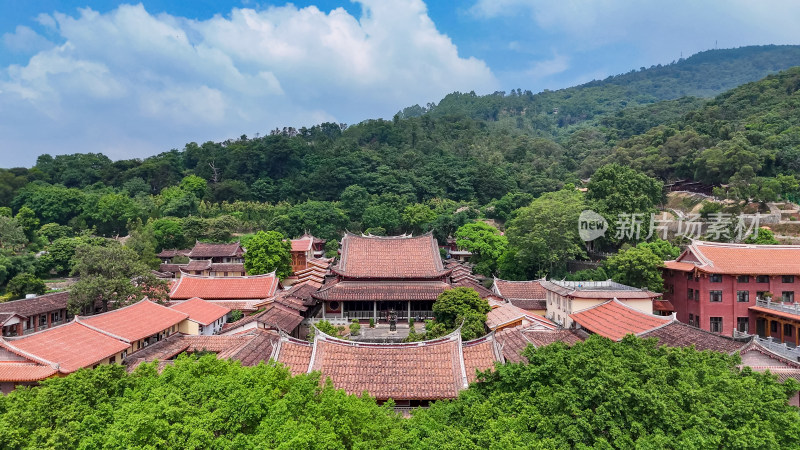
[[14, 349], [322, 336]]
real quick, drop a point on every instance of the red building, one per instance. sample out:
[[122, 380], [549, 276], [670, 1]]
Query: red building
[[723, 287]]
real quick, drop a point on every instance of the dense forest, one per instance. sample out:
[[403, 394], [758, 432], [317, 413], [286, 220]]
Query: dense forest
[[597, 394], [435, 168]]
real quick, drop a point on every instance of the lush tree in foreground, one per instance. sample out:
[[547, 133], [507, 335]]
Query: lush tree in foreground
[[461, 306], [268, 251], [601, 394]]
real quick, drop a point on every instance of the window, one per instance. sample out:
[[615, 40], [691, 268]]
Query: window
[[715, 324], [743, 278], [112, 360], [201, 329], [787, 278], [689, 276], [788, 296], [773, 326], [762, 279], [690, 293], [691, 319], [760, 295], [743, 324], [715, 296], [743, 296], [715, 278], [788, 329], [697, 295], [43, 319]]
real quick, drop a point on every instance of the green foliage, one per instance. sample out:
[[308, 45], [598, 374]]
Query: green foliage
[[764, 237], [486, 244], [26, 218], [26, 283], [456, 307], [12, 235], [327, 328], [600, 394], [267, 252], [331, 248], [638, 267], [235, 315], [168, 233], [661, 248], [142, 240], [371, 322], [355, 328], [598, 274], [53, 231], [195, 403], [544, 235], [112, 275]]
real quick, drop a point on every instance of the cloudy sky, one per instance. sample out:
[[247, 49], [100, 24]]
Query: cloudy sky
[[135, 79]]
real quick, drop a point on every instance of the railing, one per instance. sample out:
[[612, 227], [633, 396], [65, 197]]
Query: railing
[[786, 350], [791, 308]]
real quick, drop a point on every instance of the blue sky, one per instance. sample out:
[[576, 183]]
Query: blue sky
[[135, 79]]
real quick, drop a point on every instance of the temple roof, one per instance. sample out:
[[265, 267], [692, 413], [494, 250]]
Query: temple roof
[[508, 314], [614, 319], [37, 305], [208, 250], [514, 340], [520, 290], [72, 346], [677, 334], [395, 257], [201, 311], [225, 288], [739, 259], [382, 291], [136, 321], [302, 244]]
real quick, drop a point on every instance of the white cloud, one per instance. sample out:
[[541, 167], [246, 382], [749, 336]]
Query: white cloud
[[24, 39], [160, 80]]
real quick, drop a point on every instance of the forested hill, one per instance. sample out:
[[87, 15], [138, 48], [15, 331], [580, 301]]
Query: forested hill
[[746, 137], [704, 74]]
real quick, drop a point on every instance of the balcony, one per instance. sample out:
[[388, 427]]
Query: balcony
[[787, 351], [791, 308]]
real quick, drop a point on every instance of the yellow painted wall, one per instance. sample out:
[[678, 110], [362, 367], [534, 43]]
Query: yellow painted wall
[[188, 327]]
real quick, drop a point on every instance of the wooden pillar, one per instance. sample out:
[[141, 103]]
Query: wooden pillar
[[19, 329], [35, 323], [49, 319]]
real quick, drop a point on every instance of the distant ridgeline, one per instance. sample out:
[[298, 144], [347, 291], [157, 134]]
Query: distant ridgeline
[[468, 149]]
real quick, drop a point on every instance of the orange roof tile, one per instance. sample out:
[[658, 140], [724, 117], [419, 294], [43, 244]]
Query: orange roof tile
[[744, 259], [71, 346], [19, 372], [775, 312], [394, 257], [208, 250], [480, 354], [302, 244], [295, 354], [681, 266], [420, 370], [201, 311], [508, 313], [613, 319], [522, 290], [136, 321], [254, 287]]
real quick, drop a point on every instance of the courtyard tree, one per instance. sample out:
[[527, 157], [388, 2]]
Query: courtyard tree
[[268, 251]]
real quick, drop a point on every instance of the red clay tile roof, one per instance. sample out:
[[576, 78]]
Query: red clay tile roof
[[604, 290], [677, 334], [302, 244], [663, 305], [681, 266], [227, 267], [382, 290], [207, 250], [775, 312], [38, 305], [744, 259], [421, 370], [529, 305], [19, 372], [280, 317], [520, 290], [170, 268], [249, 348], [613, 319], [395, 257], [201, 264], [762, 359], [136, 321], [514, 340], [480, 354], [482, 291], [201, 311], [171, 253], [225, 288], [71, 346], [508, 313], [294, 354]]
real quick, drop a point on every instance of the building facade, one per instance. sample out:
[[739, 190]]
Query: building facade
[[567, 297], [722, 287]]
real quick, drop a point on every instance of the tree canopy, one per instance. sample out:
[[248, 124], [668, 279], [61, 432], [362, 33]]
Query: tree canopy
[[266, 252]]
